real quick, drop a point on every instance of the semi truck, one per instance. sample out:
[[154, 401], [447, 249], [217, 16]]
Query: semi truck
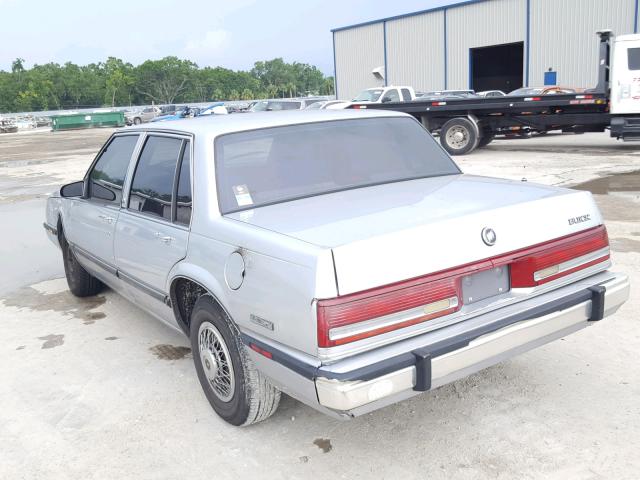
[[466, 124]]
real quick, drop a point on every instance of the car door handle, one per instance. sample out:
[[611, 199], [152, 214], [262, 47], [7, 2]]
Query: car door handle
[[164, 238], [106, 218]]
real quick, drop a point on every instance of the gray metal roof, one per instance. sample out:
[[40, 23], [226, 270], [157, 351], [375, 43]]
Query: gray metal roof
[[214, 125]]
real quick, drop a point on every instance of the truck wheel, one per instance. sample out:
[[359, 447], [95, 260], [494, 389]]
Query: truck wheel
[[486, 139], [459, 136], [137, 121], [236, 390], [80, 282]]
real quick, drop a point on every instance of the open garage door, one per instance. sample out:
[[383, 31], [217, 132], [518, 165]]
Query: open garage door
[[498, 67]]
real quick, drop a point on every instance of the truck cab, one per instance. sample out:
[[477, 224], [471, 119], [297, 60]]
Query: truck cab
[[625, 88], [386, 95]]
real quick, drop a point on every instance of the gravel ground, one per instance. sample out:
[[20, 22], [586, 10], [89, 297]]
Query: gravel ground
[[98, 389]]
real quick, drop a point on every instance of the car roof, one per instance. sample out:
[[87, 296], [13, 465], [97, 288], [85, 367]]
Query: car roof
[[214, 125]]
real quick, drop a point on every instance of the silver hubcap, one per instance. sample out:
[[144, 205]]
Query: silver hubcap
[[216, 361], [457, 137]]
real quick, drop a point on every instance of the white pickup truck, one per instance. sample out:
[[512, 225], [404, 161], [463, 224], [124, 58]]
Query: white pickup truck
[[386, 95]]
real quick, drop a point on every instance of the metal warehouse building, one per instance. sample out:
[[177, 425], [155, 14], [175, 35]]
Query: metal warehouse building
[[480, 44]]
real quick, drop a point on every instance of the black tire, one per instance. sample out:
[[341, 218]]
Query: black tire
[[486, 139], [137, 121], [250, 398], [459, 136], [80, 282]]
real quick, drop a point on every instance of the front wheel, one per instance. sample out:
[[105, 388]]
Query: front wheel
[[459, 136], [80, 282], [236, 390]]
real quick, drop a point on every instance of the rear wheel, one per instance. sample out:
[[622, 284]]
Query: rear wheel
[[459, 136], [236, 390], [80, 282]]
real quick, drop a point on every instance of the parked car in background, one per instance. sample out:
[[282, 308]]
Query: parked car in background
[[547, 90], [180, 113], [491, 93], [277, 105], [217, 108], [145, 115], [440, 94], [328, 105], [386, 95], [341, 257], [8, 125]]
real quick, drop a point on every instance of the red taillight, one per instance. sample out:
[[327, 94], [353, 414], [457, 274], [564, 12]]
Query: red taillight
[[557, 258], [424, 301], [373, 312]]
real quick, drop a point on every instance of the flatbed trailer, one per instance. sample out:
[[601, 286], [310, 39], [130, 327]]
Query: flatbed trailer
[[468, 123]]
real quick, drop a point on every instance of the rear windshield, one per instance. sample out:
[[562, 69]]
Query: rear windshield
[[279, 164]]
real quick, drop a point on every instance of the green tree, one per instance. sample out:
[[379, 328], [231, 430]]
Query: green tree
[[328, 86], [118, 80], [168, 80], [163, 81]]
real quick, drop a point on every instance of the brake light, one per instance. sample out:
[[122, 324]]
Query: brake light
[[561, 257], [373, 312], [361, 315]]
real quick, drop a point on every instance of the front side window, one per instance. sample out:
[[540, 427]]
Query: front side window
[[633, 58], [406, 95], [152, 185], [280, 164], [108, 174]]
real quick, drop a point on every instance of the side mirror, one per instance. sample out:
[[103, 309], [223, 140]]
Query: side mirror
[[75, 189]]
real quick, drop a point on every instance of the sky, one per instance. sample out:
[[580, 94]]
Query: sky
[[232, 33]]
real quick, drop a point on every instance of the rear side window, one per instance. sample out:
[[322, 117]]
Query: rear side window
[[152, 186], [108, 174], [406, 95], [633, 58], [183, 198], [280, 164]]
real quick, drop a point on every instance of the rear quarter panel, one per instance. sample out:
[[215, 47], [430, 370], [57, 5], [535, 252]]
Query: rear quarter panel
[[282, 278]]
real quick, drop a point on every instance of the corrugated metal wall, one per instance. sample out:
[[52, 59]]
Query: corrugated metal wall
[[357, 52], [563, 37], [479, 25], [415, 51]]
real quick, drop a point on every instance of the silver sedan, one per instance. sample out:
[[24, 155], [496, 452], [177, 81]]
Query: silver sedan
[[340, 257]]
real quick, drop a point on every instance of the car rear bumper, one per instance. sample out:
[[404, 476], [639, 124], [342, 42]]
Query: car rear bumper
[[440, 358], [364, 382]]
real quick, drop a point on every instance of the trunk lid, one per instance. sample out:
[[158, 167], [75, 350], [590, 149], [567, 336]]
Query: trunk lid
[[388, 233]]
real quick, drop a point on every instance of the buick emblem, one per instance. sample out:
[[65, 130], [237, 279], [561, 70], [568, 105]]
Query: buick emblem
[[488, 236]]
